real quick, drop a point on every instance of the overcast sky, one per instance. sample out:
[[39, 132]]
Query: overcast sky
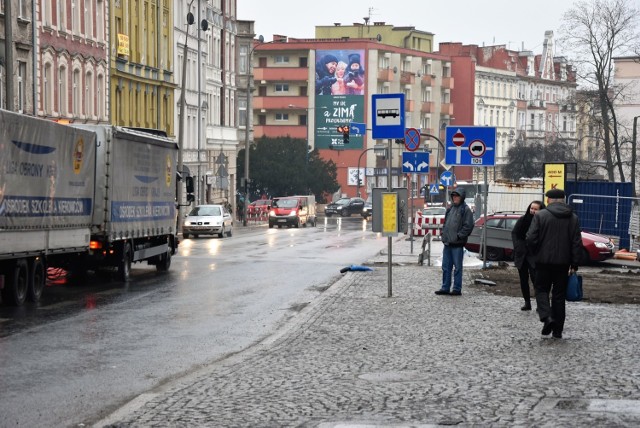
[[508, 22]]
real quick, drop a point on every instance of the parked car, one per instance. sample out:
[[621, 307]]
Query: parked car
[[207, 220], [499, 226], [344, 207], [437, 212], [367, 210], [259, 208]]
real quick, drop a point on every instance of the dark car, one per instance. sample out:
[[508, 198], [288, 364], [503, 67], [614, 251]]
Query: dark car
[[596, 247], [367, 211], [344, 207]]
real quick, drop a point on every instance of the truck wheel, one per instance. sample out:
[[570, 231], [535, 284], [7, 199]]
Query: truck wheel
[[165, 261], [124, 265], [297, 223], [14, 292], [270, 225], [185, 235], [37, 279]]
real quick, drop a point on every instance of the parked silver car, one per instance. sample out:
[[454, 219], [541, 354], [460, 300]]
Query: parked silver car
[[208, 220]]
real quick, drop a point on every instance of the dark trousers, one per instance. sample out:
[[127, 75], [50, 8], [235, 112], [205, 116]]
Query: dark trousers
[[526, 271], [551, 279]]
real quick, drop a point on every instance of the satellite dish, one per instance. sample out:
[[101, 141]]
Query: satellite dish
[[395, 69], [261, 38], [379, 38], [204, 25], [190, 18]]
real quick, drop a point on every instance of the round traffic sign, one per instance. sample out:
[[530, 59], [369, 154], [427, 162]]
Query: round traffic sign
[[477, 148], [411, 139], [458, 138]]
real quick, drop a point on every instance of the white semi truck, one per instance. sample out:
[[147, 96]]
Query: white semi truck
[[82, 198]]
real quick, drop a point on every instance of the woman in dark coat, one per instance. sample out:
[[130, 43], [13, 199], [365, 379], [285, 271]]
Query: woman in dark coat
[[523, 259]]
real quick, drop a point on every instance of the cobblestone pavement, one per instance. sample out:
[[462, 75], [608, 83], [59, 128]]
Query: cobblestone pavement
[[355, 357]]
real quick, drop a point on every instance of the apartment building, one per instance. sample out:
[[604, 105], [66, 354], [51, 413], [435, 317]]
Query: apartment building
[[290, 100], [527, 97], [73, 61], [207, 52]]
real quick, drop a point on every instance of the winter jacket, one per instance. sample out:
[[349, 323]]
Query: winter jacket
[[458, 223], [554, 236]]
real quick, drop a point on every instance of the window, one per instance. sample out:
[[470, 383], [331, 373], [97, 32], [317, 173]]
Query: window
[[22, 86], [383, 62], [46, 13], [62, 16], [303, 62], [88, 18], [23, 9], [282, 116], [75, 106], [282, 87], [62, 90], [242, 112], [282, 59], [242, 64], [47, 89], [75, 16], [89, 98], [100, 20], [100, 97]]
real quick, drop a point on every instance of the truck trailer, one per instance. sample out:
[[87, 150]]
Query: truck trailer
[[82, 198]]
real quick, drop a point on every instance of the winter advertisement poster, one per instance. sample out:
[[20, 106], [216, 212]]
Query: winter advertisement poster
[[340, 85]]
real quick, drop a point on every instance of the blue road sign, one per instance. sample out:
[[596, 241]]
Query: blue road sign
[[433, 189], [415, 162], [357, 128], [447, 178], [387, 116], [470, 145]]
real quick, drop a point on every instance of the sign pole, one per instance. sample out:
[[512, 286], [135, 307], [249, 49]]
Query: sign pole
[[389, 238]]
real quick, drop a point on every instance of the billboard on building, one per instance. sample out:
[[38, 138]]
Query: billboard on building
[[339, 87]]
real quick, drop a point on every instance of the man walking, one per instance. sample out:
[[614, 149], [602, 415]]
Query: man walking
[[458, 224], [554, 237]]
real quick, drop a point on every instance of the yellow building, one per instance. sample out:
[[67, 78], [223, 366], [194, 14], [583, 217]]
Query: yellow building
[[142, 79], [402, 37]]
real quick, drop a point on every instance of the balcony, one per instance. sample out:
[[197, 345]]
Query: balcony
[[429, 80], [446, 109], [386, 75], [426, 107], [273, 131], [447, 83], [281, 74], [276, 102], [409, 105], [407, 78]]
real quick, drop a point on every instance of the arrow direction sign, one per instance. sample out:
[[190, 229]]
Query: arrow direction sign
[[358, 128], [447, 178], [415, 162]]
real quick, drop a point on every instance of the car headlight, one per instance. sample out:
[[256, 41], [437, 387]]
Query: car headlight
[[339, 208], [293, 213], [272, 213], [187, 223], [600, 245]]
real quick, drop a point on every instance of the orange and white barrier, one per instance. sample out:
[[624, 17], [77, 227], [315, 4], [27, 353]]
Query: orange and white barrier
[[424, 224]]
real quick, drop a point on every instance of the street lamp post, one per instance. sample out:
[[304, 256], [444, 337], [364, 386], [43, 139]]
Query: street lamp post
[[634, 145], [246, 130], [190, 21]]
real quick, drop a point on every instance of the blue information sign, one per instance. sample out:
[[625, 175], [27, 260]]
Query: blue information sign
[[387, 113], [447, 178], [415, 162], [470, 145]]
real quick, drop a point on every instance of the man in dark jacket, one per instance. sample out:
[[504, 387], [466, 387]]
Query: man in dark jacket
[[458, 224], [325, 74], [554, 237]]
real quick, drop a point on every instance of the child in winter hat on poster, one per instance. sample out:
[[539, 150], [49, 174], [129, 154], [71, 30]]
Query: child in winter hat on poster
[[354, 78]]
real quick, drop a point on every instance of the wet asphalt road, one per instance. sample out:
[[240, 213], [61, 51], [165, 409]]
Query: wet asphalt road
[[86, 350]]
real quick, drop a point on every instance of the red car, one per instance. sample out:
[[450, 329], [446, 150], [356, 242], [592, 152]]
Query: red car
[[259, 208], [499, 226]]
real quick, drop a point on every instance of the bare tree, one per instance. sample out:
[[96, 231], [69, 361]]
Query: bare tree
[[597, 31]]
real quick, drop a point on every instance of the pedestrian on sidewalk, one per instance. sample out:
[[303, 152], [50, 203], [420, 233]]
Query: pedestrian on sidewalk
[[458, 224], [523, 259], [555, 239]]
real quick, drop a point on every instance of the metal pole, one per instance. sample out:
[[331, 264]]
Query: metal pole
[[389, 238], [359, 159], [199, 126], [182, 114], [484, 228], [634, 145], [8, 49], [246, 141]]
